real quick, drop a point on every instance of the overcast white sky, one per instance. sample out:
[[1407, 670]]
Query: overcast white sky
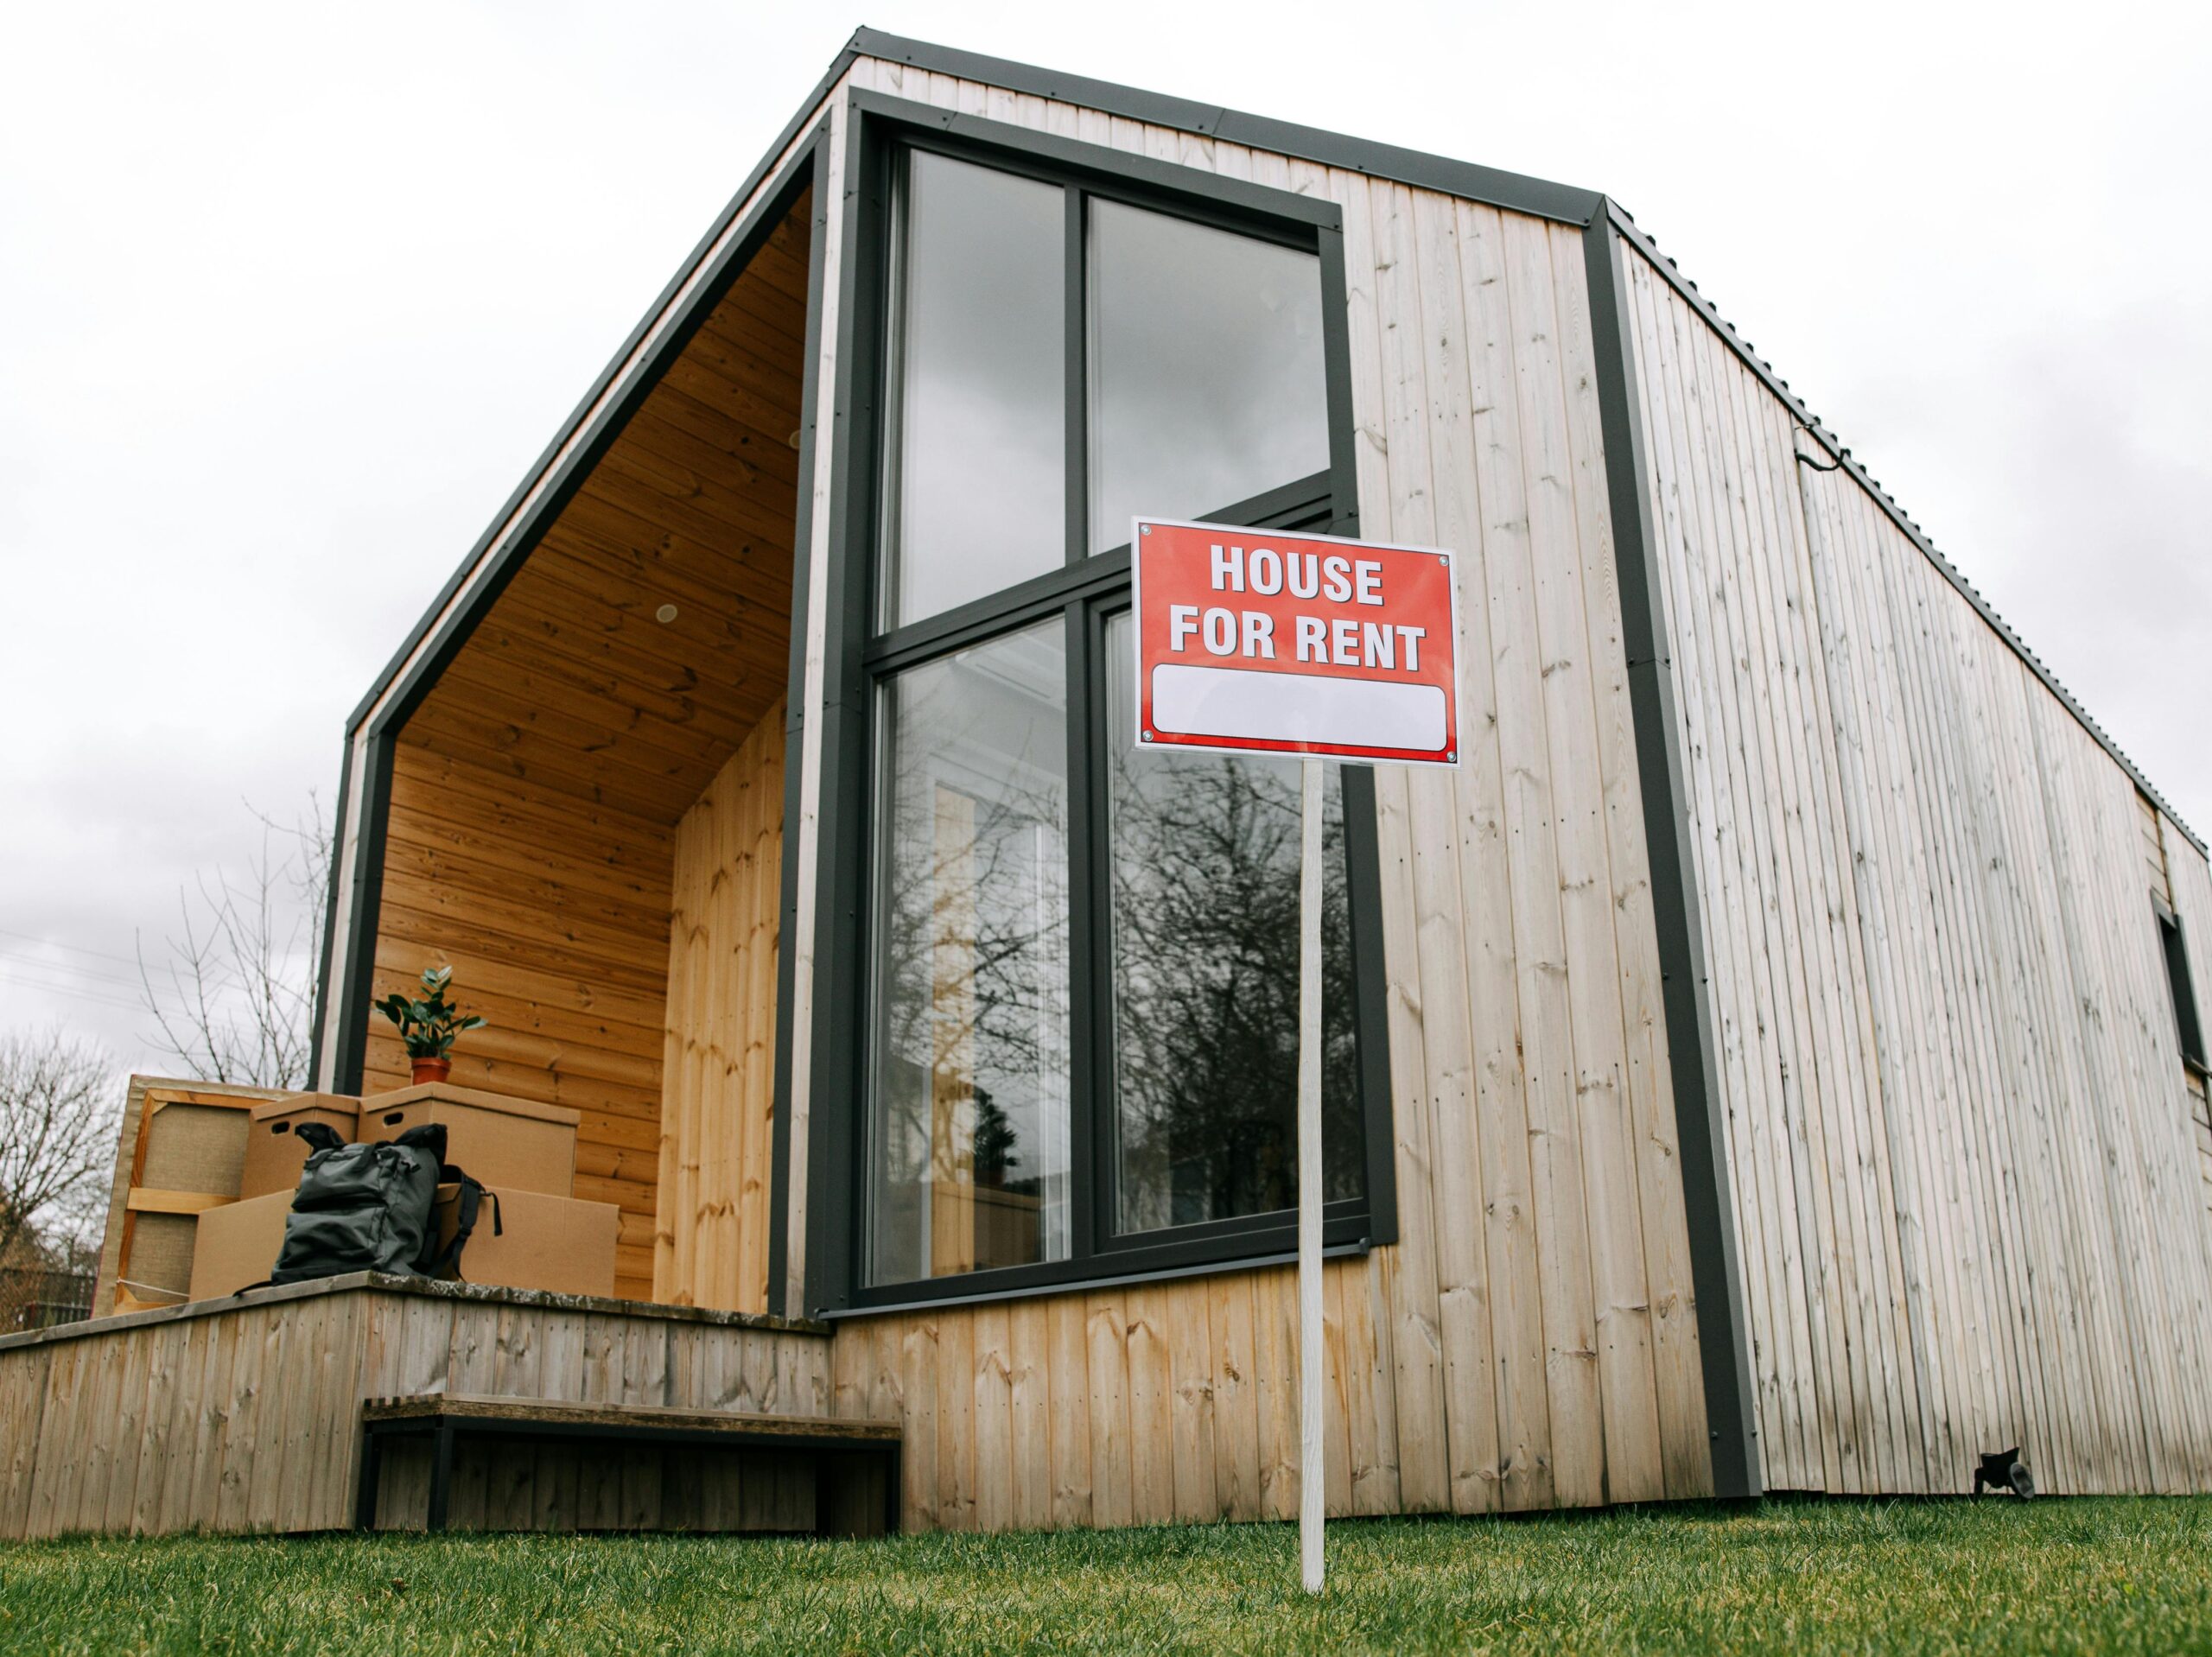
[[289, 297]]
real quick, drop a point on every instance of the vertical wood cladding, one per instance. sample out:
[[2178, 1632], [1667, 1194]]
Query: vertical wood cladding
[[233, 1417], [537, 790], [553, 913], [718, 1097], [1960, 1135], [1531, 1340]]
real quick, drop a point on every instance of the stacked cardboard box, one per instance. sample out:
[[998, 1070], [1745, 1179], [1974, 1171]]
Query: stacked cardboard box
[[531, 1234]]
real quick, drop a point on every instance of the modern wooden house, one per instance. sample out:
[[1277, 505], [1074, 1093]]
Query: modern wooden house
[[1771, 1062]]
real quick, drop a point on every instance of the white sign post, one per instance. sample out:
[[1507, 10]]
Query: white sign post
[[1252, 641], [1311, 1478]]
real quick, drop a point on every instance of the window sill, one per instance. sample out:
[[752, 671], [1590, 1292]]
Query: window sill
[[988, 1295]]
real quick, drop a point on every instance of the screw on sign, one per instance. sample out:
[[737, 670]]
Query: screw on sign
[[1252, 641]]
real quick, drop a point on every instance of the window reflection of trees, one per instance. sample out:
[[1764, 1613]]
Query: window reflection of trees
[[1205, 975], [971, 1103], [970, 1115]]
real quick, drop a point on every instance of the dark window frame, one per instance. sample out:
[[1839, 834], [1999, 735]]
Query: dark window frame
[[2173, 948], [857, 659]]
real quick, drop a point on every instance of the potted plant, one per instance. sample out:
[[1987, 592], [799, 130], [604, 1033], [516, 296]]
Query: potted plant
[[428, 1024]]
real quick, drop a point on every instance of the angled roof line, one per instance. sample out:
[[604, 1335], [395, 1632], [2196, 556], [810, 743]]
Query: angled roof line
[[578, 415], [1514, 191], [1671, 273], [1539, 197]]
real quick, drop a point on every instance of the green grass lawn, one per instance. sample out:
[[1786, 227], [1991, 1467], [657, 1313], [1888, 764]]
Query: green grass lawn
[[2083, 1575]]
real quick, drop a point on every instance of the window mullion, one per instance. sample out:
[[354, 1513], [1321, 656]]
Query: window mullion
[[1096, 905], [1083, 853]]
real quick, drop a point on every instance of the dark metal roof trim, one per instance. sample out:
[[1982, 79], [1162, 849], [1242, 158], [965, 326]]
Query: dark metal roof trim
[[1842, 457], [1513, 191], [1678, 908], [1536, 196]]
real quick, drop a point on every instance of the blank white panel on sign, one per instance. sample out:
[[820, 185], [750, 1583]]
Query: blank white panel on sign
[[1297, 707]]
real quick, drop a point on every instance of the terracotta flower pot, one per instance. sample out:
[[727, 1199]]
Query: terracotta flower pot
[[431, 1070]]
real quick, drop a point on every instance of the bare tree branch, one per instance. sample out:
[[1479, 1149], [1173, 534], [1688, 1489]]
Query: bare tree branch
[[57, 1139], [235, 999]]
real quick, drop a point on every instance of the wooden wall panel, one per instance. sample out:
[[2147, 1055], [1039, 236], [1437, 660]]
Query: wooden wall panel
[[1531, 1340], [248, 1417], [1959, 1143], [711, 1246], [537, 790], [553, 913]]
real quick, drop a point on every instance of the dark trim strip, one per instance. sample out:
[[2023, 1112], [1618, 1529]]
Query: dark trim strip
[[1092, 1284], [1682, 285], [1716, 1276], [329, 918], [1522, 194], [779, 1182], [832, 1171], [365, 898]]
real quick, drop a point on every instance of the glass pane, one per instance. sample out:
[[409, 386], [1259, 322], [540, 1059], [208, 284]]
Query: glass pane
[[979, 492], [1205, 851], [1206, 384], [968, 1118]]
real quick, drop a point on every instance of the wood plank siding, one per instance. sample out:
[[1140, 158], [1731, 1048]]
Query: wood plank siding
[[1531, 1341], [1969, 1172], [711, 1247], [553, 912], [1959, 1138], [537, 790], [233, 1417]]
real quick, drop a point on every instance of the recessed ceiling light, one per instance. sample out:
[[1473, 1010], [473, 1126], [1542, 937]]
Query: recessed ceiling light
[[666, 614]]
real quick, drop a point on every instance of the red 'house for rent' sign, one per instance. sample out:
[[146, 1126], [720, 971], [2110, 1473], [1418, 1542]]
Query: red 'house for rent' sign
[[1251, 641]]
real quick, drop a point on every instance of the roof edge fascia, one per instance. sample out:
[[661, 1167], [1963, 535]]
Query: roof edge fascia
[[1832, 447], [579, 416], [1539, 197]]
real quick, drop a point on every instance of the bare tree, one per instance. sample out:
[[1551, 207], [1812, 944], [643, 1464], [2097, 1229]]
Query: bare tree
[[235, 1000], [57, 1141]]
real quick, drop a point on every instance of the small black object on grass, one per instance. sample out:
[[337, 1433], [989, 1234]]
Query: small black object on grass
[[2005, 1472]]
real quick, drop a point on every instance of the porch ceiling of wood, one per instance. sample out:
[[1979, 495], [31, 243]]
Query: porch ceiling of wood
[[570, 683]]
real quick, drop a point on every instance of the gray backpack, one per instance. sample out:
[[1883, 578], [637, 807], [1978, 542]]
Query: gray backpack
[[364, 1208]]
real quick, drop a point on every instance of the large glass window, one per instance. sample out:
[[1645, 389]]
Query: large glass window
[[969, 1140], [978, 388], [1206, 383], [1081, 961], [1204, 868]]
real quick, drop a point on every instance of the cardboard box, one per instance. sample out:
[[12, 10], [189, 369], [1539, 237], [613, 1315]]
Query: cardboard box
[[274, 1152], [513, 1144], [554, 1243], [238, 1244]]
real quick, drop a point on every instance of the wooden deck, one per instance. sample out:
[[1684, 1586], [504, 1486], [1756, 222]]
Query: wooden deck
[[244, 1414]]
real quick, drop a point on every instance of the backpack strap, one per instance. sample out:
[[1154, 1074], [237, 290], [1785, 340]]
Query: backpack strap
[[320, 1136], [426, 1136], [469, 1205]]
